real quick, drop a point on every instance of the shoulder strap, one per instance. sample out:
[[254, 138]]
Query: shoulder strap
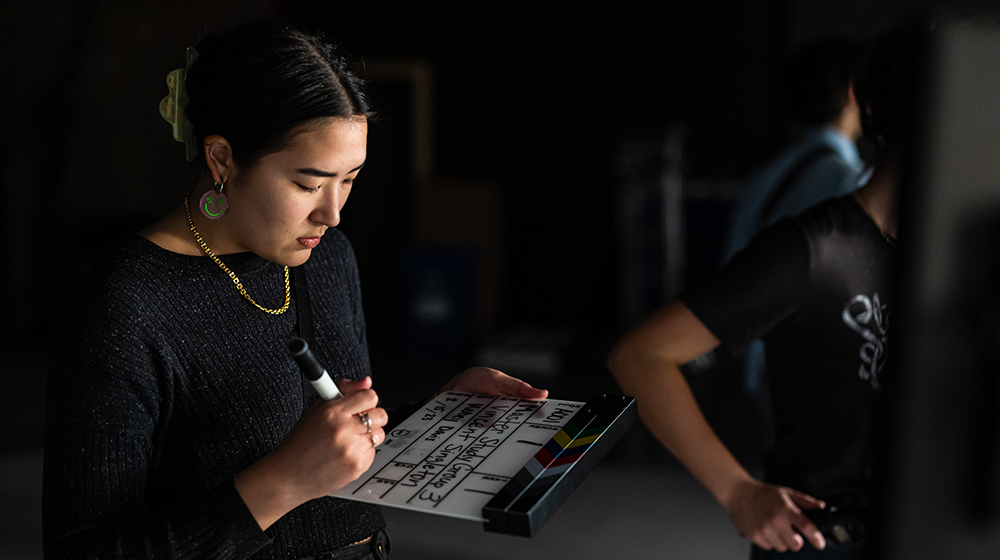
[[807, 159], [302, 307]]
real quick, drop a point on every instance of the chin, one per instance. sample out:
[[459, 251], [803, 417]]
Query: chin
[[289, 258], [297, 258]]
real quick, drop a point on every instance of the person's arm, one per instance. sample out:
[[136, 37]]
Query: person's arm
[[646, 362], [326, 449], [97, 469], [108, 405]]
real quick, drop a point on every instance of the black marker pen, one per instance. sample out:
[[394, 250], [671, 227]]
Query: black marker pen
[[317, 375]]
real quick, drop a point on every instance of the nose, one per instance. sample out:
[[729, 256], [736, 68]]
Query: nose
[[327, 212]]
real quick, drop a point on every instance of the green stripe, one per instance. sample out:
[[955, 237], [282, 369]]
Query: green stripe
[[571, 429]]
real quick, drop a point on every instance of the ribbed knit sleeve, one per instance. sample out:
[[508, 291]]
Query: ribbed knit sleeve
[[166, 383]]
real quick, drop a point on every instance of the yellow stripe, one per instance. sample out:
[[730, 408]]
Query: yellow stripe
[[583, 441], [562, 438]]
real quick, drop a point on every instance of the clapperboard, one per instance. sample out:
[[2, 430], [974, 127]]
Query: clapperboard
[[506, 462]]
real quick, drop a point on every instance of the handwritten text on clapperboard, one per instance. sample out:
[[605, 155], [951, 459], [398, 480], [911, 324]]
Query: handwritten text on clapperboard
[[455, 453]]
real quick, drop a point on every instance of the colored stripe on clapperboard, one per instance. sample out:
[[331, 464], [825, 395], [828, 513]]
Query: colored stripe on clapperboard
[[556, 457]]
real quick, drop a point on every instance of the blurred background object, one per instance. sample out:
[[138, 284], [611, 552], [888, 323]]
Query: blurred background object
[[942, 497]]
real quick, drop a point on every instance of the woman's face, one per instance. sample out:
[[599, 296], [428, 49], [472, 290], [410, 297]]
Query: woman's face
[[281, 208]]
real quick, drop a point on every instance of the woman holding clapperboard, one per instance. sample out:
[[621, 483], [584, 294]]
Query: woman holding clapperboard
[[178, 425]]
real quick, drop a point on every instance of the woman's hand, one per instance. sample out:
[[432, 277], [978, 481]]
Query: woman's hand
[[489, 381], [348, 386], [326, 449], [771, 516]]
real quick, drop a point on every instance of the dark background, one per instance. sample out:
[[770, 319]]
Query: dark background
[[530, 105], [530, 108]]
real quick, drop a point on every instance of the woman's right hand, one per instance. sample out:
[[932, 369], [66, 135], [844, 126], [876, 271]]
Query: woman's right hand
[[326, 449], [771, 516]]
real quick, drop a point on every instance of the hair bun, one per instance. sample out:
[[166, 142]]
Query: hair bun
[[255, 84], [207, 42]]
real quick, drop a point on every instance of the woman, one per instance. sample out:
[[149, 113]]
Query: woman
[[816, 288], [177, 423]]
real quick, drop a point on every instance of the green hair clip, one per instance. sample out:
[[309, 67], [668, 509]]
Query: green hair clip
[[172, 106]]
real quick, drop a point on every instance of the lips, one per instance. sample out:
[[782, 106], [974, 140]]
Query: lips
[[309, 242]]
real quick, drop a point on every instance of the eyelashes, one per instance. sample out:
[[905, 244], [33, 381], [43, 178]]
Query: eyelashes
[[349, 182]]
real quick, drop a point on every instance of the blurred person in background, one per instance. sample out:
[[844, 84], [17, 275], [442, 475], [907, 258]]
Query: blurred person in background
[[816, 289], [818, 96]]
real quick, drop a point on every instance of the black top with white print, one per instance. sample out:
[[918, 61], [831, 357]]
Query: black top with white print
[[816, 289]]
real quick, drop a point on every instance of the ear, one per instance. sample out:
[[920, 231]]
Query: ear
[[219, 157]]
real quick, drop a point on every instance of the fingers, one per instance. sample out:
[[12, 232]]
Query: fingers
[[490, 381], [348, 386], [361, 406], [356, 402], [526, 391], [514, 387], [805, 500], [779, 540], [378, 417], [772, 517], [372, 422], [499, 383], [802, 523], [370, 425], [808, 530]]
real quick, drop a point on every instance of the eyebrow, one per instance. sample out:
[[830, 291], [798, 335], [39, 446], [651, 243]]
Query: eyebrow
[[313, 172]]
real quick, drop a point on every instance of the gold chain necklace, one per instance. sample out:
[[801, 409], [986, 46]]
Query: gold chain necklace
[[239, 286]]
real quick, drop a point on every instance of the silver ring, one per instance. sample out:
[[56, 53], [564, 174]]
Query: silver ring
[[374, 440], [366, 421]]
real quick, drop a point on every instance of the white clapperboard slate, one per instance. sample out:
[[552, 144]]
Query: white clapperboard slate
[[506, 462]]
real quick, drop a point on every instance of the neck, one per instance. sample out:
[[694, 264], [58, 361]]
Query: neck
[[173, 233], [848, 122], [879, 196]]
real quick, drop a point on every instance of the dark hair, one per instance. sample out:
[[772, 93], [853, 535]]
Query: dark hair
[[258, 82], [886, 85], [816, 79]]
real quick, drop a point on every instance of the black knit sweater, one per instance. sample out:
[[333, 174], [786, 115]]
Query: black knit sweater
[[167, 382]]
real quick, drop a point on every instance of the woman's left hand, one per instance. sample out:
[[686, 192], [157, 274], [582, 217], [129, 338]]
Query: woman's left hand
[[489, 381]]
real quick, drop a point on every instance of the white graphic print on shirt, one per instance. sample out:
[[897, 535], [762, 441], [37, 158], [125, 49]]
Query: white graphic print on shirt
[[870, 319]]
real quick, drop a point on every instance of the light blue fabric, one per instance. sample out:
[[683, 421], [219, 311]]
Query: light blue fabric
[[827, 177]]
